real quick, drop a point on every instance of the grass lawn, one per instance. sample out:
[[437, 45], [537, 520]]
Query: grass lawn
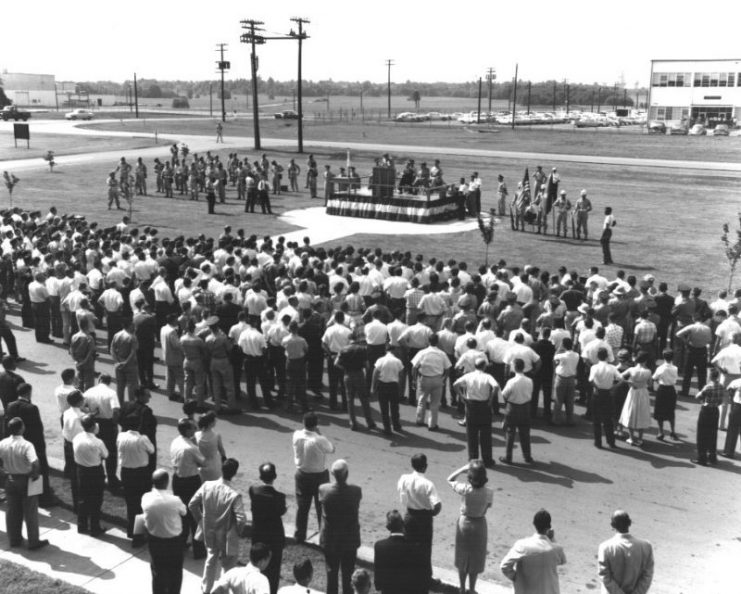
[[64, 145], [669, 221], [611, 142], [18, 579]]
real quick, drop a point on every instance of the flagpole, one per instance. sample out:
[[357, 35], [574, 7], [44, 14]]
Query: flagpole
[[514, 99]]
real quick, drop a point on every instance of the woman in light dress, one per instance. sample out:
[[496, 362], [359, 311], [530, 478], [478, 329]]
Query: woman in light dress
[[636, 413], [471, 530], [209, 443]]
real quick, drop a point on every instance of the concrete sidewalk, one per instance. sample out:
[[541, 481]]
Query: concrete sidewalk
[[110, 565]]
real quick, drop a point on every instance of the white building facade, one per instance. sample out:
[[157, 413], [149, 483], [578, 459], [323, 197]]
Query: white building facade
[[27, 90], [705, 91]]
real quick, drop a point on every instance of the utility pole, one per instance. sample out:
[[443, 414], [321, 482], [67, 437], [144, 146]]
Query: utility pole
[[614, 97], [514, 100], [222, 65], [300, 36], [253, 26], [567, 99], [136, 97], [529, 86], [491, 77], [599, 98], [389, 64], [211, 99], [478, 113], [554, 95]]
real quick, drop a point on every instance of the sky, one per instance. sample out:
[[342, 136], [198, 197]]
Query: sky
[[575, 40]]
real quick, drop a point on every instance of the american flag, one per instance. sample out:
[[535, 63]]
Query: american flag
[[526, 183]]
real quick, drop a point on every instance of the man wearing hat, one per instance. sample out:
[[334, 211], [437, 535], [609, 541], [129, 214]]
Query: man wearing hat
[[562, 207], [581, 211]]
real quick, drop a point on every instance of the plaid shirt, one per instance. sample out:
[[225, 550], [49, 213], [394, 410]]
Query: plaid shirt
[[614, 336], [413, 297], [712, 394], [645, 331]]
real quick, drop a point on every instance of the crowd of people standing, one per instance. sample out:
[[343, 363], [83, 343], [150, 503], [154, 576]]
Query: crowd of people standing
[[240, 310]]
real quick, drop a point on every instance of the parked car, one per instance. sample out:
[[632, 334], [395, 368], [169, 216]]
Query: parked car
[[721, 130], [656, 127], [79, 114], [288, 114], [11, 112], [698, 130], [678, 129]]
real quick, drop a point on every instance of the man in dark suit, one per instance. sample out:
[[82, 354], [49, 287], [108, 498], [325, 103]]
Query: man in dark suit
[[268, 505], [145, 328], [28, 412], [9, 382], [340, 535], [399, 563]]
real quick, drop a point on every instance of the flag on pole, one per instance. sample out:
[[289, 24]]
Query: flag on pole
[[526, 184], [551, 192]]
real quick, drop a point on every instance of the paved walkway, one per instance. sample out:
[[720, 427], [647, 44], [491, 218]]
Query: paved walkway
[[109, 564]]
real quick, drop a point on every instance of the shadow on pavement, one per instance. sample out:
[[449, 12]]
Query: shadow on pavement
[[63, 561], [531, 474], [575, 474]]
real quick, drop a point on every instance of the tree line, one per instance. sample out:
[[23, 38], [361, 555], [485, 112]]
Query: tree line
[[541, 93]]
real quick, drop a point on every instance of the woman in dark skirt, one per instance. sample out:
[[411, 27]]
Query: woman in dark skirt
[[665, 403], [471, 530]]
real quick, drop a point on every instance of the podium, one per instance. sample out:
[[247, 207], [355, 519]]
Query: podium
[[382, 182]]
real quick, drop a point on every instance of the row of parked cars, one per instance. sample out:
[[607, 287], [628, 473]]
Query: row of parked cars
[[522, 118], [684, 129]]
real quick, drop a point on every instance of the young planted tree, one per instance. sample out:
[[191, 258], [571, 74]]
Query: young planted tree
[[486, 226], [10, 182], [732, 249]]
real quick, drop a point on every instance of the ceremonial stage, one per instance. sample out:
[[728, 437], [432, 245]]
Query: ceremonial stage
[[425, 207]]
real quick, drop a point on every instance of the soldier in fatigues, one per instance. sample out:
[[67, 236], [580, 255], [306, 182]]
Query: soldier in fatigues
[[112, 184], [581, 209], [167, 178], [562, 206]]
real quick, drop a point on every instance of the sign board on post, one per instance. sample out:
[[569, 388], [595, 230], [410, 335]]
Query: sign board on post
[[22, 132]]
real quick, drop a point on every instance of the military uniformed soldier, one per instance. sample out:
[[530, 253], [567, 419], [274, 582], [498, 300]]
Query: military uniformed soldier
[[581, 211], [562, 206], [501, 196], [168, 177], [158, 167], [112, 184]]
